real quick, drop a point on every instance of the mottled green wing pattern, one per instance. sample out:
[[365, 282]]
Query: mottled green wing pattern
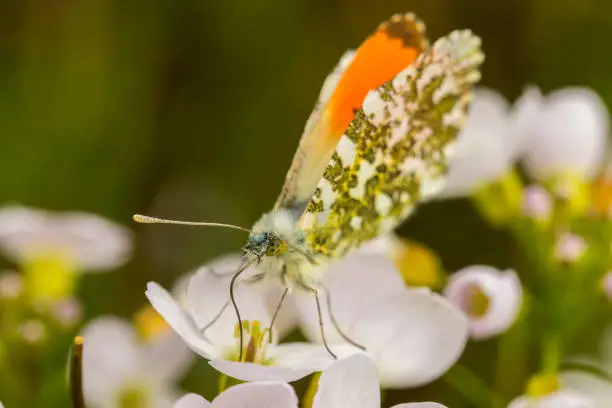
[[394, 153]]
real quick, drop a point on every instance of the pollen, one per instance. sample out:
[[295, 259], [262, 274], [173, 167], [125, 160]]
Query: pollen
[[255, 343]]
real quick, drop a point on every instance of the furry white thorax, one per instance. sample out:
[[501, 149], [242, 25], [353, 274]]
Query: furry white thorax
[[296, 266]]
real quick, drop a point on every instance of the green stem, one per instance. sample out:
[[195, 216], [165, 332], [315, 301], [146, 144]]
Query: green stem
[[472, 387], [76, 373], [511, 371], [551, 354]]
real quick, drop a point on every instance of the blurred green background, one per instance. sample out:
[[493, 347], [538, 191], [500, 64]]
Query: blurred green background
[[192, 110]]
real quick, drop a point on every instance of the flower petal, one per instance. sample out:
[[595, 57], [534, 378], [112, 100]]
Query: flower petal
[[92, 242], [522, 116], [192, 401], [420, 405], [597, 388], [106, 368], [270, 291], [485, 150], [503, 292], [179, 320], [167, 358], [208, 292], [350, 382], [97, 244], [565, 398], [414, 337], [568, 135], [349, 301], [264, 394], [258, 372], [309, 355]]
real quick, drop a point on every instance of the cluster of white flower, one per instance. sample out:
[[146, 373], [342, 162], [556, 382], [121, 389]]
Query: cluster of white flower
[[383, 294], [413, 335]]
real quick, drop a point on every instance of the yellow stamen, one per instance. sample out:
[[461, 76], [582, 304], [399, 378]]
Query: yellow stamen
[[132, 397], [418, 264], [479, 302], [149, 323], [542, 384], [255, 341], [49, 276]]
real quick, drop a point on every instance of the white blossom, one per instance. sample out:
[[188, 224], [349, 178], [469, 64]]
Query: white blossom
[[352, 382], [491, 298], [486, 146], [206, 295], [87, 241], [597, 387], [413, 335], [347, 383], [537, 203], [607, 285], [570, 247], [118, 367], [564, 398], [565, 133], [260, 394], [11, 285]]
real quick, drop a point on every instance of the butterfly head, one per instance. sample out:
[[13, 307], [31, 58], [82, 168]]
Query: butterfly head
[[262, 244]]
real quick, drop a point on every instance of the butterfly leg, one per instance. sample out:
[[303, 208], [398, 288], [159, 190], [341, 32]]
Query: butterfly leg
[[280, 302], [315, 292], [215, 319], [335, 322], [240, 270], [254, 279]]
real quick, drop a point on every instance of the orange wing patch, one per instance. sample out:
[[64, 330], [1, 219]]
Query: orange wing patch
[[396, 44], [393, 47]]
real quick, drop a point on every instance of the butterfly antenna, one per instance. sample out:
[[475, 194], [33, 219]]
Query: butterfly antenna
[[145, 219], [241, 269]]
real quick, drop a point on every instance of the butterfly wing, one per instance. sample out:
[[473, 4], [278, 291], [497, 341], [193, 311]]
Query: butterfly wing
[[396, 44], [394, 152]]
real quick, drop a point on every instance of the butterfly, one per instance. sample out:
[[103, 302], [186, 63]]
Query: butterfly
[[376, 145]]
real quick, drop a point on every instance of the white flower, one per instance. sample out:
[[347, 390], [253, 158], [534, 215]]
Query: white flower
[[491, 298], [117, 368], [32, 331], [486, 149], [348, 383], [206, 295], [68, 312], [352, 382], [598, 389], [261, 394], [564, 398], [414, 336], [566, 135], [418, 265], [606, 285], [87, 241], [537, 203], [269, 290], [570, 247], [11, 285]]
